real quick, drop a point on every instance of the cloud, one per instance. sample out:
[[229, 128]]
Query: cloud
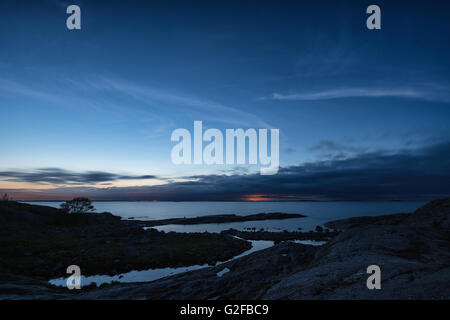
[[154, 110], [206, 108], [408, 93], [17, 89], [333, 146], [57, 176], [419, 174], [376, 175]]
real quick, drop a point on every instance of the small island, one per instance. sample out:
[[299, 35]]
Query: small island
[[223, 218]]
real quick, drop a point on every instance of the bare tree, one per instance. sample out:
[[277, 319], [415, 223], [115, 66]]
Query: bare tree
[[78, 205]]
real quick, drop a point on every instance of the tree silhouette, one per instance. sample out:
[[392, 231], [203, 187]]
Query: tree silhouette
[[78, 205]]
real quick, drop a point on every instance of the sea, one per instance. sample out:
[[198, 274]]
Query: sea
[[317, 213]]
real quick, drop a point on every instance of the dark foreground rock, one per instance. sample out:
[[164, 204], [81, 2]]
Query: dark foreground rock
[[413, 252], [15, 287], [281, 236], [248, 278]]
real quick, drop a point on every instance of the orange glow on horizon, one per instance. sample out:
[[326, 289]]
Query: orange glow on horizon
[[257, 197]]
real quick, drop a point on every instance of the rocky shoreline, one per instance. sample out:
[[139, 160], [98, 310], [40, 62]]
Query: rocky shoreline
[[281, 236], [40, 242], [412, 250]]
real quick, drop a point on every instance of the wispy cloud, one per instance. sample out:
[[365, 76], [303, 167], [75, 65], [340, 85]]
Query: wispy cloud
[[334, 146], [57, 176], [9, 87], [100, 93], [138, 102], [206, 108], [408, 93]]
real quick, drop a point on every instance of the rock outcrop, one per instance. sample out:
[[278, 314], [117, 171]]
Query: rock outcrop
[[412, 250], [223, 218]]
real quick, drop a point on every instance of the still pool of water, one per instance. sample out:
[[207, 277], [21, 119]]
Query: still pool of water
[[154, 274]]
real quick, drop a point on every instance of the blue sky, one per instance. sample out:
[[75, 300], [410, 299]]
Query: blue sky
[[106, 98]]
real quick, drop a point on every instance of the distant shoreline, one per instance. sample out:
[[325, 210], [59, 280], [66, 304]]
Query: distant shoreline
[[223, 218], [399, 200]]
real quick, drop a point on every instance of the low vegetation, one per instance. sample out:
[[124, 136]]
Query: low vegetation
[[41, 242]]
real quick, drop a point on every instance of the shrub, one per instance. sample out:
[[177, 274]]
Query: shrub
[[78, 205]]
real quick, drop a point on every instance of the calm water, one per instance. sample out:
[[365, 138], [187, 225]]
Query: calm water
[[317, 212], [154, 274]]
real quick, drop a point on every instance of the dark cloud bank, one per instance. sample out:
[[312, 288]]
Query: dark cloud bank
[[420, 174], [60, 176]]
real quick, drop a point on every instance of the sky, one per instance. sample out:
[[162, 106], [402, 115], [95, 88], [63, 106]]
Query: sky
[[362, 114]]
